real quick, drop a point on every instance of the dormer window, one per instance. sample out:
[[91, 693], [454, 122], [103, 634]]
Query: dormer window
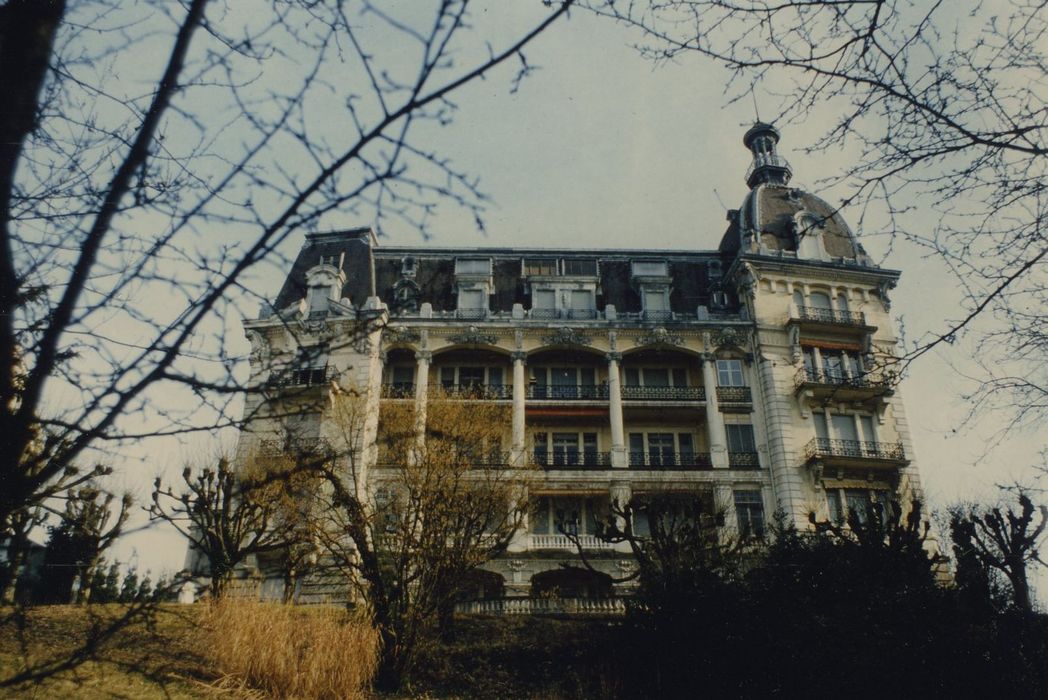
[[474, 285], [472, 303], [473, 266], [650, 268]]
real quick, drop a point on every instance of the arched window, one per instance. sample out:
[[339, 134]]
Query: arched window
[[819, 300]]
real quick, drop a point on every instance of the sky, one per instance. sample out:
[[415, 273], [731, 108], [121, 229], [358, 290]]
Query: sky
[[601, 148]]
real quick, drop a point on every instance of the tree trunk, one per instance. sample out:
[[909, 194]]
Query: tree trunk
[[15, 559], [1020, 586]]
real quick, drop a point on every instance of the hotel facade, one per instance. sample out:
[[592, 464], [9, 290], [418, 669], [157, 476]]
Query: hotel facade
[[753, 374]]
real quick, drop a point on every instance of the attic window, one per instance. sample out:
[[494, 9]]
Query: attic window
[[473, 266], [540, 266], [332, 260], [650, 268]]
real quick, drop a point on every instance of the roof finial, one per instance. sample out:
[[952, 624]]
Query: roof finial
[[756, 111], [767, 167]]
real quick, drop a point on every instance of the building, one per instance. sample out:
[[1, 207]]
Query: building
[[751, 373]]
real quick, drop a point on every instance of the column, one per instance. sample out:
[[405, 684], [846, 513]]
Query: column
[[620, 493], [618, 433], [519, 394], [714, 419], [724, 506], [422, 360]]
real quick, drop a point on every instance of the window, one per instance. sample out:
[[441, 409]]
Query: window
[[471, 299], [473, 266], [740, 437], [749, 511], [403, 377], [540, 266], [554, 515], [656, 376], [843, 504], [819, 300], [656, 301], [544, 299], [842, 301], [729, 373], [582, 305], [661, 449], [580, 268], [650, 268], [563, 450]]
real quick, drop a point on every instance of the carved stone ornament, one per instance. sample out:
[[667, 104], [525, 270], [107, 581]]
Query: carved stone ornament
[[883, 290], [259, 345], [728, 337], [659, 336], [566, 336], [472, 336], [393, 334]]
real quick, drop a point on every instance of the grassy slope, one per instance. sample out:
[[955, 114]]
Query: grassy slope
[[160, 657], [167, 658]]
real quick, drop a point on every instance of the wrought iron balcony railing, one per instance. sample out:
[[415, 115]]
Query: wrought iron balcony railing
[[398, 390], [827, 447], [833, 316], [663, 393], [743, 460], [481, 392], [670, 461], [571, 459], [866, 380], [579, 392], [471, 314], [734, 395], [304, 377]]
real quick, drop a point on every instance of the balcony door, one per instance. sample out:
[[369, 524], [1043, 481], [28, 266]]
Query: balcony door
[[565, 449], [844, 428], [563, 383]]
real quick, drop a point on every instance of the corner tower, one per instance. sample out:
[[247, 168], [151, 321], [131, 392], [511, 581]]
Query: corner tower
[[826, 346]]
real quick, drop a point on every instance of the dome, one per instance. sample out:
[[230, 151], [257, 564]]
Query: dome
[[776, 218]]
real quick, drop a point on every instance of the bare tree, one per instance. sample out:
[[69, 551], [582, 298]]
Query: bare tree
[[1003, 541], [226, 517], [946, 103], [443, 501], [151, 156]]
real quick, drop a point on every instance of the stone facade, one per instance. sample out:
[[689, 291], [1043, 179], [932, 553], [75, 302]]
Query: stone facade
[[755, 374]]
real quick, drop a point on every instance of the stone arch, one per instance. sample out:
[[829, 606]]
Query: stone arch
[[571, 582]]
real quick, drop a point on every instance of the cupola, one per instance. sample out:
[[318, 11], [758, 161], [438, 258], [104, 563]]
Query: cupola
[[767, 167]]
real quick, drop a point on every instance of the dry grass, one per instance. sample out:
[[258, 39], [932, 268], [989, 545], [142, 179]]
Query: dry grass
[[289, 652], [158, 656]]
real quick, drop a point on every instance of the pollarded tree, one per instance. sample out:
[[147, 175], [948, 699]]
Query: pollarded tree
[[225, 516], [443, 500], [86, 530], [1005, 541]]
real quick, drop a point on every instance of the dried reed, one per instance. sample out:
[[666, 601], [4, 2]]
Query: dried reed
[[291, 652]]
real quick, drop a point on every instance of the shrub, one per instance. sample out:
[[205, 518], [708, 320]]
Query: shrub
[[290, 652]]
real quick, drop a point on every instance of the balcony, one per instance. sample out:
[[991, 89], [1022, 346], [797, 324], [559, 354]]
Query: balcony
[[571, 459], [477, 392], [398, 390], [495, 458], [663, 393], [831, 320], [565, 542], [684, 461], [583, 607], [856, 453], [303, 377], [729, 397], [829, 383], [568, 314], [570, 392], [743, 460]]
